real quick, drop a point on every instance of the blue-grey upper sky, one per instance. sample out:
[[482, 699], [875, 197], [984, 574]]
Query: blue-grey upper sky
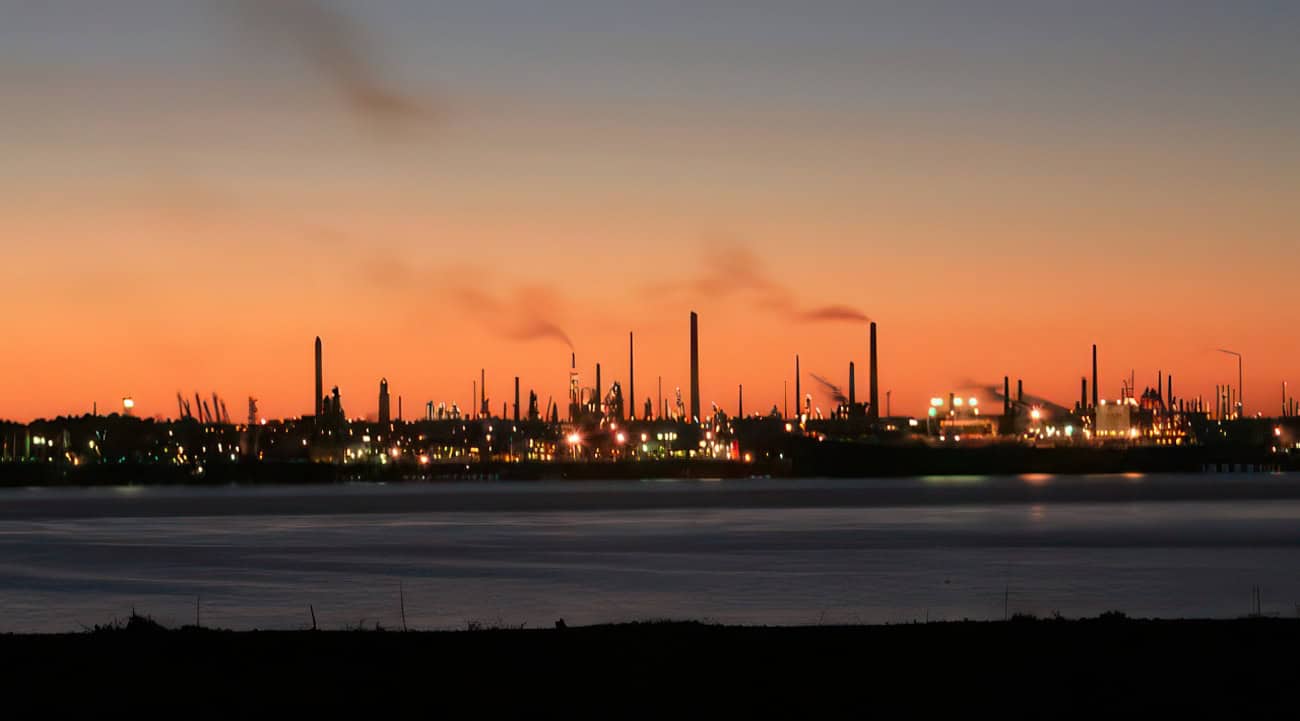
[[1133, 59]]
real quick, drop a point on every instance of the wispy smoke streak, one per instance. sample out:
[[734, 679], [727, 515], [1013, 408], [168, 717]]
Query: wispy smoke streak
[[834, 313], [526, 312], [835, 392], [539, 329], [525, 316], [737, 271], [333, 45]]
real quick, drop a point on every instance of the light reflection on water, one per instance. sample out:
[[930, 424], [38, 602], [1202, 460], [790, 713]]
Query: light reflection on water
[[738, 565]]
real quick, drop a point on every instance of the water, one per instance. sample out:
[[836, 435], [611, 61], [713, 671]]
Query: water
[[497, 555]]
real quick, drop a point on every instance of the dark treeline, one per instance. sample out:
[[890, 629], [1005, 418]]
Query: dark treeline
[[1106, 667]]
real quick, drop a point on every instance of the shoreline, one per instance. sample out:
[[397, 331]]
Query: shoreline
[[45, 503], [829, 459]]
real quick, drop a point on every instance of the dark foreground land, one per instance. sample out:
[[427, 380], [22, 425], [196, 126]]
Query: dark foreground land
[[1044, 668]]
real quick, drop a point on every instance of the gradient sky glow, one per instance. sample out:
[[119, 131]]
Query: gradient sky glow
[[191, 190]]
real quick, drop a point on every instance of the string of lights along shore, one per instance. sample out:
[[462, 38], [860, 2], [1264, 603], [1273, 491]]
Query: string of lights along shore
[[598, 422]]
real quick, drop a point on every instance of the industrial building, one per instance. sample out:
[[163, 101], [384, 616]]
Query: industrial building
[[603, 424]]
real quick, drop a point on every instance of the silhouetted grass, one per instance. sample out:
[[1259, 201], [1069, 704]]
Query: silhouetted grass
[[1106, 666]]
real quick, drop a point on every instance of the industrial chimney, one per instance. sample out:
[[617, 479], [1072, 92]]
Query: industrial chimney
[[853, 390], [873, 392], [798, 399], [695, 367], [484, 411], [320, 392], [1094, 375], [631, 379]]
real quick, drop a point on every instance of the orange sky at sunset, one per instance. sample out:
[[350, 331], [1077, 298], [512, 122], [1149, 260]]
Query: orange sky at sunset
[[194, 227]]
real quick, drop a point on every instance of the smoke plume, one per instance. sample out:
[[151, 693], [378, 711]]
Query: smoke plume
[[994, 391], [539, 329], [832, 390], [735, 271], [834, 313], [525, 315], [333, 44]]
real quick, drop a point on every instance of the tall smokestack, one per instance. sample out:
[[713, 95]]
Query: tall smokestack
[[631, 379], [1169, 391], [1006, 395], [853, 389], [1083, 393], [1094, 375], [873, 393], [516, 399], [798, 399], [740, 401], [482, 393], [600, 393], [1020, 391], [695, 367], [320, 392]]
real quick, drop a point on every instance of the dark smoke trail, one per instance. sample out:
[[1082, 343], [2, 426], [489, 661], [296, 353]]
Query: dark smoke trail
[[834, 313], [332, 43], [539, 329], [520, 316], [734, 270], [833, 390], [994, 391]]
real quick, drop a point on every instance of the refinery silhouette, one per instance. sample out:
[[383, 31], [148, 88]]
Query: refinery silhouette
[[601, 431]]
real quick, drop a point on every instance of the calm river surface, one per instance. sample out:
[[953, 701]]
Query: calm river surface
[[752, 552]]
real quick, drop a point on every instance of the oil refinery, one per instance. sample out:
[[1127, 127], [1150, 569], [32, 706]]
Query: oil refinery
[[599, 431]]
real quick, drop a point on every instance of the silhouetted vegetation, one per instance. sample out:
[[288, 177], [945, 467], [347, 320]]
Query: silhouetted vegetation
[[1107, 666]]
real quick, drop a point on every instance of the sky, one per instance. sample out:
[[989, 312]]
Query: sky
[[192, 190]]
